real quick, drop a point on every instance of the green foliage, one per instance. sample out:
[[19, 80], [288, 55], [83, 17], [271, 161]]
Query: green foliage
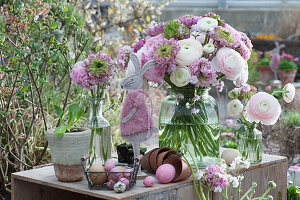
[[293, 191], [287, 65], [74, 114], [171, 30], [292, 119], [253, 75], [264, 62]]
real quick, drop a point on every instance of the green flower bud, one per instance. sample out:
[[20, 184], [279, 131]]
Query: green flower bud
[[269, 197], [254, 184], [272, 184]]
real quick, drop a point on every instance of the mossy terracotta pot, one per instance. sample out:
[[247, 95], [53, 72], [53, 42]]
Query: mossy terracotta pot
[[287, 76], [66, 153], [266, 74]]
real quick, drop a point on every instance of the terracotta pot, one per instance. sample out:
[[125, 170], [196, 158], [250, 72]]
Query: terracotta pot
[[266, 74], [287, 76], [66, 153]]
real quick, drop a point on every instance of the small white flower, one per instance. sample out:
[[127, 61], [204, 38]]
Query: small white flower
[[208, 48], [218, 189], [234, 93], [200, 174], [195, 110], [179, 96], [206, 24], [232, 166], [238, 160], [194, 80], [97, 39], [235, 107], [223, 166], [246, 164], [72, 55], [187, 105], [235, 182], [240, 177], [177, 103], [289, 92], [196, 98], [181, 76]]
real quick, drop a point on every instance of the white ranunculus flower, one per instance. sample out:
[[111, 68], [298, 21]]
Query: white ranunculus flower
[[234, 93], [208, 48], [289, 92], [235, 107], [180, 76], [191, 49], [207, 24]]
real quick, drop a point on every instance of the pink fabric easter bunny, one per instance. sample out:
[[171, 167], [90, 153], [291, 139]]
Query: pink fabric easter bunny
[[136, 120]]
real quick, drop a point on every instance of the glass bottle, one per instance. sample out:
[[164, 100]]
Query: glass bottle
[[101, 139]]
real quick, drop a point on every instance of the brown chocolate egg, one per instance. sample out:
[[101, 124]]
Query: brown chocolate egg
[[97, 178]]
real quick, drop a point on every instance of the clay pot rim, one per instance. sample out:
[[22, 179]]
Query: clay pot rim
[[153, 156]]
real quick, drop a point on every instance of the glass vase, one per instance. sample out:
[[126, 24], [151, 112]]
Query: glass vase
[[101, 139], [250, 145], [189, 121]]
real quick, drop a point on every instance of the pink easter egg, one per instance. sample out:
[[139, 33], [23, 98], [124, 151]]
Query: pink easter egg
[[149, 181], [125, 181], [115, 176], [165, 173], [109, 165], [110, 184], [127, 173]]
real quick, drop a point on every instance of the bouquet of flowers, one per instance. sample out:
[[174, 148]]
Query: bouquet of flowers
[[94, 74], [226, 180], [192, 53], [254, 108]]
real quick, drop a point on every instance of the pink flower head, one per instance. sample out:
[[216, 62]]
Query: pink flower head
[[231, 64], [261, 53], [139, 45], [296, 59], [294, 168], [156, 29], [246, 87], [268, 88], [80, 76], [223, 134], [230, 134], [255, 61], [214, 177], [264, 108], [229, 122], [123, 56]]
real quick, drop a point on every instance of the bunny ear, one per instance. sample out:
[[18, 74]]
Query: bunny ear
[[149, 65], [136, 63]]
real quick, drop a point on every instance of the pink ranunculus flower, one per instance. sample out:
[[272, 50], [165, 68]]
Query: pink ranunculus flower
[[268, 88], [231, 64], [264, 108]]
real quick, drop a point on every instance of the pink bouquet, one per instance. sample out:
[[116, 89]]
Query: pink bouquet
[[192, 51]]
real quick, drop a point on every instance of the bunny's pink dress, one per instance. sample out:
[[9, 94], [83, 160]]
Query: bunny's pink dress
[[141, 121]]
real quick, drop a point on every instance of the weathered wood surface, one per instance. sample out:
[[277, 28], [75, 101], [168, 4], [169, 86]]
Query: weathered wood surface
[[41, 183]]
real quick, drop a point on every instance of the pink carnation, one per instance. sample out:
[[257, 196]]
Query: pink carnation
[[80, 77], [264, 108], [268, 88], [215, 178]]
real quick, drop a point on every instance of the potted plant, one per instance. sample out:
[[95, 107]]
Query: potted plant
[[263, 64], [287, 68], [68, 144]]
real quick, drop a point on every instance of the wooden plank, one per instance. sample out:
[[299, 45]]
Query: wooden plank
[[271, 168]]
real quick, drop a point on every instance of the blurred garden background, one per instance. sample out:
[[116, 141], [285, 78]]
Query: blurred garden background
[[40, 40]]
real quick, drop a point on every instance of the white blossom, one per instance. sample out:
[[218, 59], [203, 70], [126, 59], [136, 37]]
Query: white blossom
[[289, 92]]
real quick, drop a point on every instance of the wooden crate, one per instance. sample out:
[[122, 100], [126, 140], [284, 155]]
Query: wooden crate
[[41, 184]]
